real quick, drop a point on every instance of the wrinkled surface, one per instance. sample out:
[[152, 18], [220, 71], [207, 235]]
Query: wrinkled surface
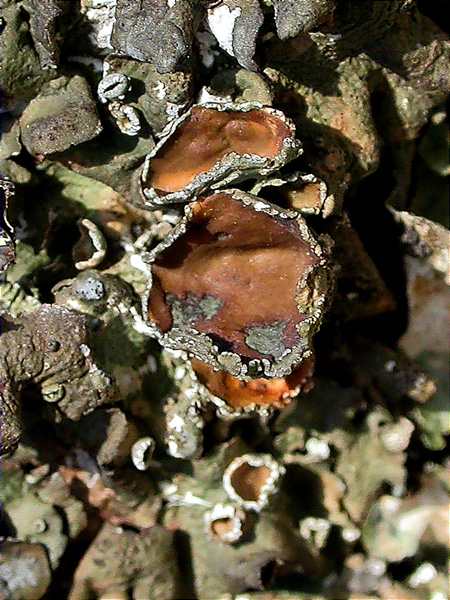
[[154, 31], [24, 571], [227, 256], [36, 349], [208, 136]]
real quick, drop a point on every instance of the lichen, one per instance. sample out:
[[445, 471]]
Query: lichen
[[36, 348], [63, 115], [255, 141], [7, 246], [218, 393], [230, 329]]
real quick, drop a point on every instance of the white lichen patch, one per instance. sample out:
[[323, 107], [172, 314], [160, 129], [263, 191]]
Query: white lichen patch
[[396, 436], [184, 433], [100, 14], [140, 326], [207, 47], [174, 110], [142, 452], [137, 262], [221, 21], [317, 449], [19, 574], [351, 534], [205, 96], [159, 90], [424, 574], [170, 493]]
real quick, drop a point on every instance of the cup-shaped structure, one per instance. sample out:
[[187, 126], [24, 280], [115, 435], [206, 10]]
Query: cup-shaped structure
[[213, 145], [240, 285], [225, 523], [251, 479]]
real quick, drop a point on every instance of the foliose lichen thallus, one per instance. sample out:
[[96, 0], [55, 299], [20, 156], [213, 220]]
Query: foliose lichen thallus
[[241, 285]]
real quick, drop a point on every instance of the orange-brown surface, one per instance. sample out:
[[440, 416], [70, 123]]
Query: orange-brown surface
[[248, 481], [276, 392], [307, 196], [222, 527], [247, 260], [206, 137]]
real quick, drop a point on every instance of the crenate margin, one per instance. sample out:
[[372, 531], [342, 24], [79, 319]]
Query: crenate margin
[[225, 523], [231, 168], [303, 192], [251, 479], [7, 245], [314, 291], [201, 398]]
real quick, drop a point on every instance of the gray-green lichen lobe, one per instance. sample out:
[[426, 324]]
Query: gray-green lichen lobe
[[36, 348], [20, 71], [187, 311], [118, 560], [267, 339], [63, 115]]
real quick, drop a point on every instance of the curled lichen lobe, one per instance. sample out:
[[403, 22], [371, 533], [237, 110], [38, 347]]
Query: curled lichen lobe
[[235, 275], [207, 136], [7, 247]]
